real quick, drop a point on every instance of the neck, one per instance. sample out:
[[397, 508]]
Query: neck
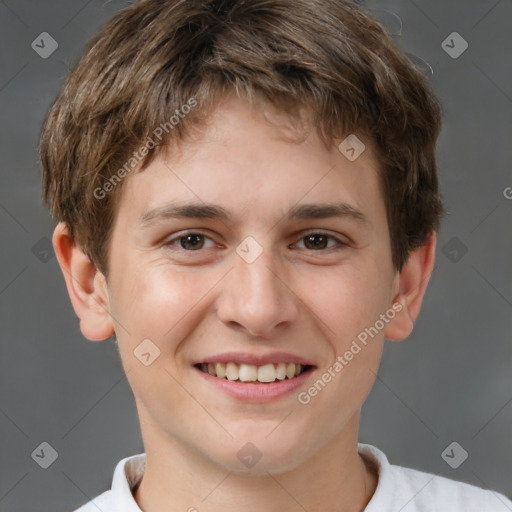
[[178, 479]]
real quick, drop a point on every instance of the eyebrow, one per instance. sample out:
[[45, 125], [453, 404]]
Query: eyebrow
[[213, 211]]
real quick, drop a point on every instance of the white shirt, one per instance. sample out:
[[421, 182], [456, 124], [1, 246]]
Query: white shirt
[[399, 489]]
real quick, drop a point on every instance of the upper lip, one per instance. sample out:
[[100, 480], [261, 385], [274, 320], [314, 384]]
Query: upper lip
[[255, 359]]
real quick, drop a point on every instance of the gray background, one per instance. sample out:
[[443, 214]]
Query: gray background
[[450, 381]]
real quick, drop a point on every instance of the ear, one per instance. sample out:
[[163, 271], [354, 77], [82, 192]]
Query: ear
[[86, 285], [409, 289]]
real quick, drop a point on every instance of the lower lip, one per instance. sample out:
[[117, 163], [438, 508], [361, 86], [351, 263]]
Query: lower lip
[[256, 391]]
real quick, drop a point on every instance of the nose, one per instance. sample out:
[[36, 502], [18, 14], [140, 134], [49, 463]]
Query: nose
[[257, 298]]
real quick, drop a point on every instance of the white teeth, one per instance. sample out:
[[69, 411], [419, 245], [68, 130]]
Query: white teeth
[[248, 373], [252, 373], [220, 368], [281, 371], [290, 370], [267, 373], [231, 371]]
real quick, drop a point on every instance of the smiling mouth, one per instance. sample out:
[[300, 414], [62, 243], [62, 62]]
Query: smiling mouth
[[266, 373]]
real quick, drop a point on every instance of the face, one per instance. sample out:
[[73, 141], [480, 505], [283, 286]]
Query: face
[[270, 282]]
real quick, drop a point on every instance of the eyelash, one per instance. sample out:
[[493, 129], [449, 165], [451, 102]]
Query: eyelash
[[170, 243]]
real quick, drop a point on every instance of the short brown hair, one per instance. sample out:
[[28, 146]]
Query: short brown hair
[[153, 57]]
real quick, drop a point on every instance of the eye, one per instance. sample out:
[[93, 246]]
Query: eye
[[194, 241], [318, 241], [190, 242]]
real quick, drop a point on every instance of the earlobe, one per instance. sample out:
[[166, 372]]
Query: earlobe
[[410, 287], [86, 285]]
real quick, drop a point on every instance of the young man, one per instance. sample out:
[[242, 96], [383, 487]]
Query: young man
[[247, 198]]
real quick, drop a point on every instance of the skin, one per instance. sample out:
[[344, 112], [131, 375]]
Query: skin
[[294, 297]]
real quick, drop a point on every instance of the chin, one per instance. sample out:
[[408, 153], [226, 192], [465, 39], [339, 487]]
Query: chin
[[259, 455]]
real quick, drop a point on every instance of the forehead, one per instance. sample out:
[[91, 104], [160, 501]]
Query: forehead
[[248, 161]]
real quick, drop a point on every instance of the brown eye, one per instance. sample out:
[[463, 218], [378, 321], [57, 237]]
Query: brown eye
[[319, 241], [190, 242], [315, 241]]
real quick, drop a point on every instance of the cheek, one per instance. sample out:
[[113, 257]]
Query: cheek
[[347, 299], [153, 303]]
